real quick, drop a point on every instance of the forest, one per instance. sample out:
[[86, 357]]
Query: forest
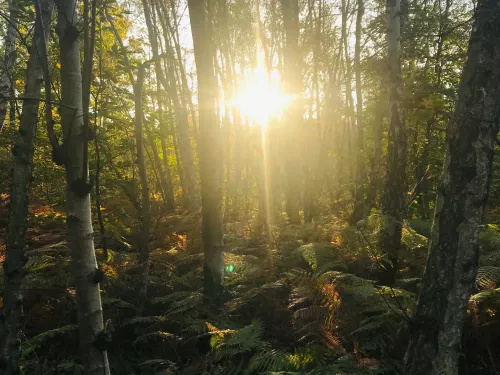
[[249, 187]]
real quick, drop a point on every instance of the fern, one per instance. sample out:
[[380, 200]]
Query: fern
[[192, 301], [154, 337], [488, 277], [116, 303], [486, 298], [43, 339], [139, 320], [157, 364], [39, 263], [246, 339], [271, 360]]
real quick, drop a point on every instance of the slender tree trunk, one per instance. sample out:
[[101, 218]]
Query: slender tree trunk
[[312, 181], [80, 233], [371, 195], [100, 220], [9, 60], [462, 195], [360, 155], [293, 114], [145, 219], [164, 136], [393, 201], [162, 165], [211, 196], [15, 257]]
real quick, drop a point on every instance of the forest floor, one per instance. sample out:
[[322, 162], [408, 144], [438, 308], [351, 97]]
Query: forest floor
[[304, 301]]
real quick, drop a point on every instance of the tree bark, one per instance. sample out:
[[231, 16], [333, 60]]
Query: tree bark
[[145, 214], [311, 181], [393, 200], [9, 60], [462, 195], [371, 196], [360, 156], [293, 114], [80, 233], [15, 257], [211, 193]]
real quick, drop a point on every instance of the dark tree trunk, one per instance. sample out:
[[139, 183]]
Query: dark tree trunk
[[462, 195], [293, 114], [145, 214], [393, 200], [360, 156], [15, 257], [10, 55], [211, 193]]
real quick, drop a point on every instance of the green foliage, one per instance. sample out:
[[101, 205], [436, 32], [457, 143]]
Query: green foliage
[[49, 339], [489, 238], [116, 303], [154, 365], [320, 257], [488, 277]]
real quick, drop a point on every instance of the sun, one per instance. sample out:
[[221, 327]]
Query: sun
[[259, 98]]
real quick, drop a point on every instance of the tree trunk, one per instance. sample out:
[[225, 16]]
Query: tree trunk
[[15, 257], [145, 214], [394, 194], [462, 195], [292, 116], [80, 233], [311, 181], [9, 60], [163, 168], [371, 196], [360, 156], [211, 197]]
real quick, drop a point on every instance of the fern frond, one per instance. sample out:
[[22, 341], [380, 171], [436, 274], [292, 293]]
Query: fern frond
[[193, 300], [39, 263], [272, 360], [116, 303], [246, 339], [488, 277], [140, 320], [157, 364], [488, 296], [42, 339], [155, 337]]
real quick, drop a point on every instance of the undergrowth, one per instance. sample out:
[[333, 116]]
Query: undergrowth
[[306, 303]]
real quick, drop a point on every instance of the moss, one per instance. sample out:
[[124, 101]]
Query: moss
[[489, 238]]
